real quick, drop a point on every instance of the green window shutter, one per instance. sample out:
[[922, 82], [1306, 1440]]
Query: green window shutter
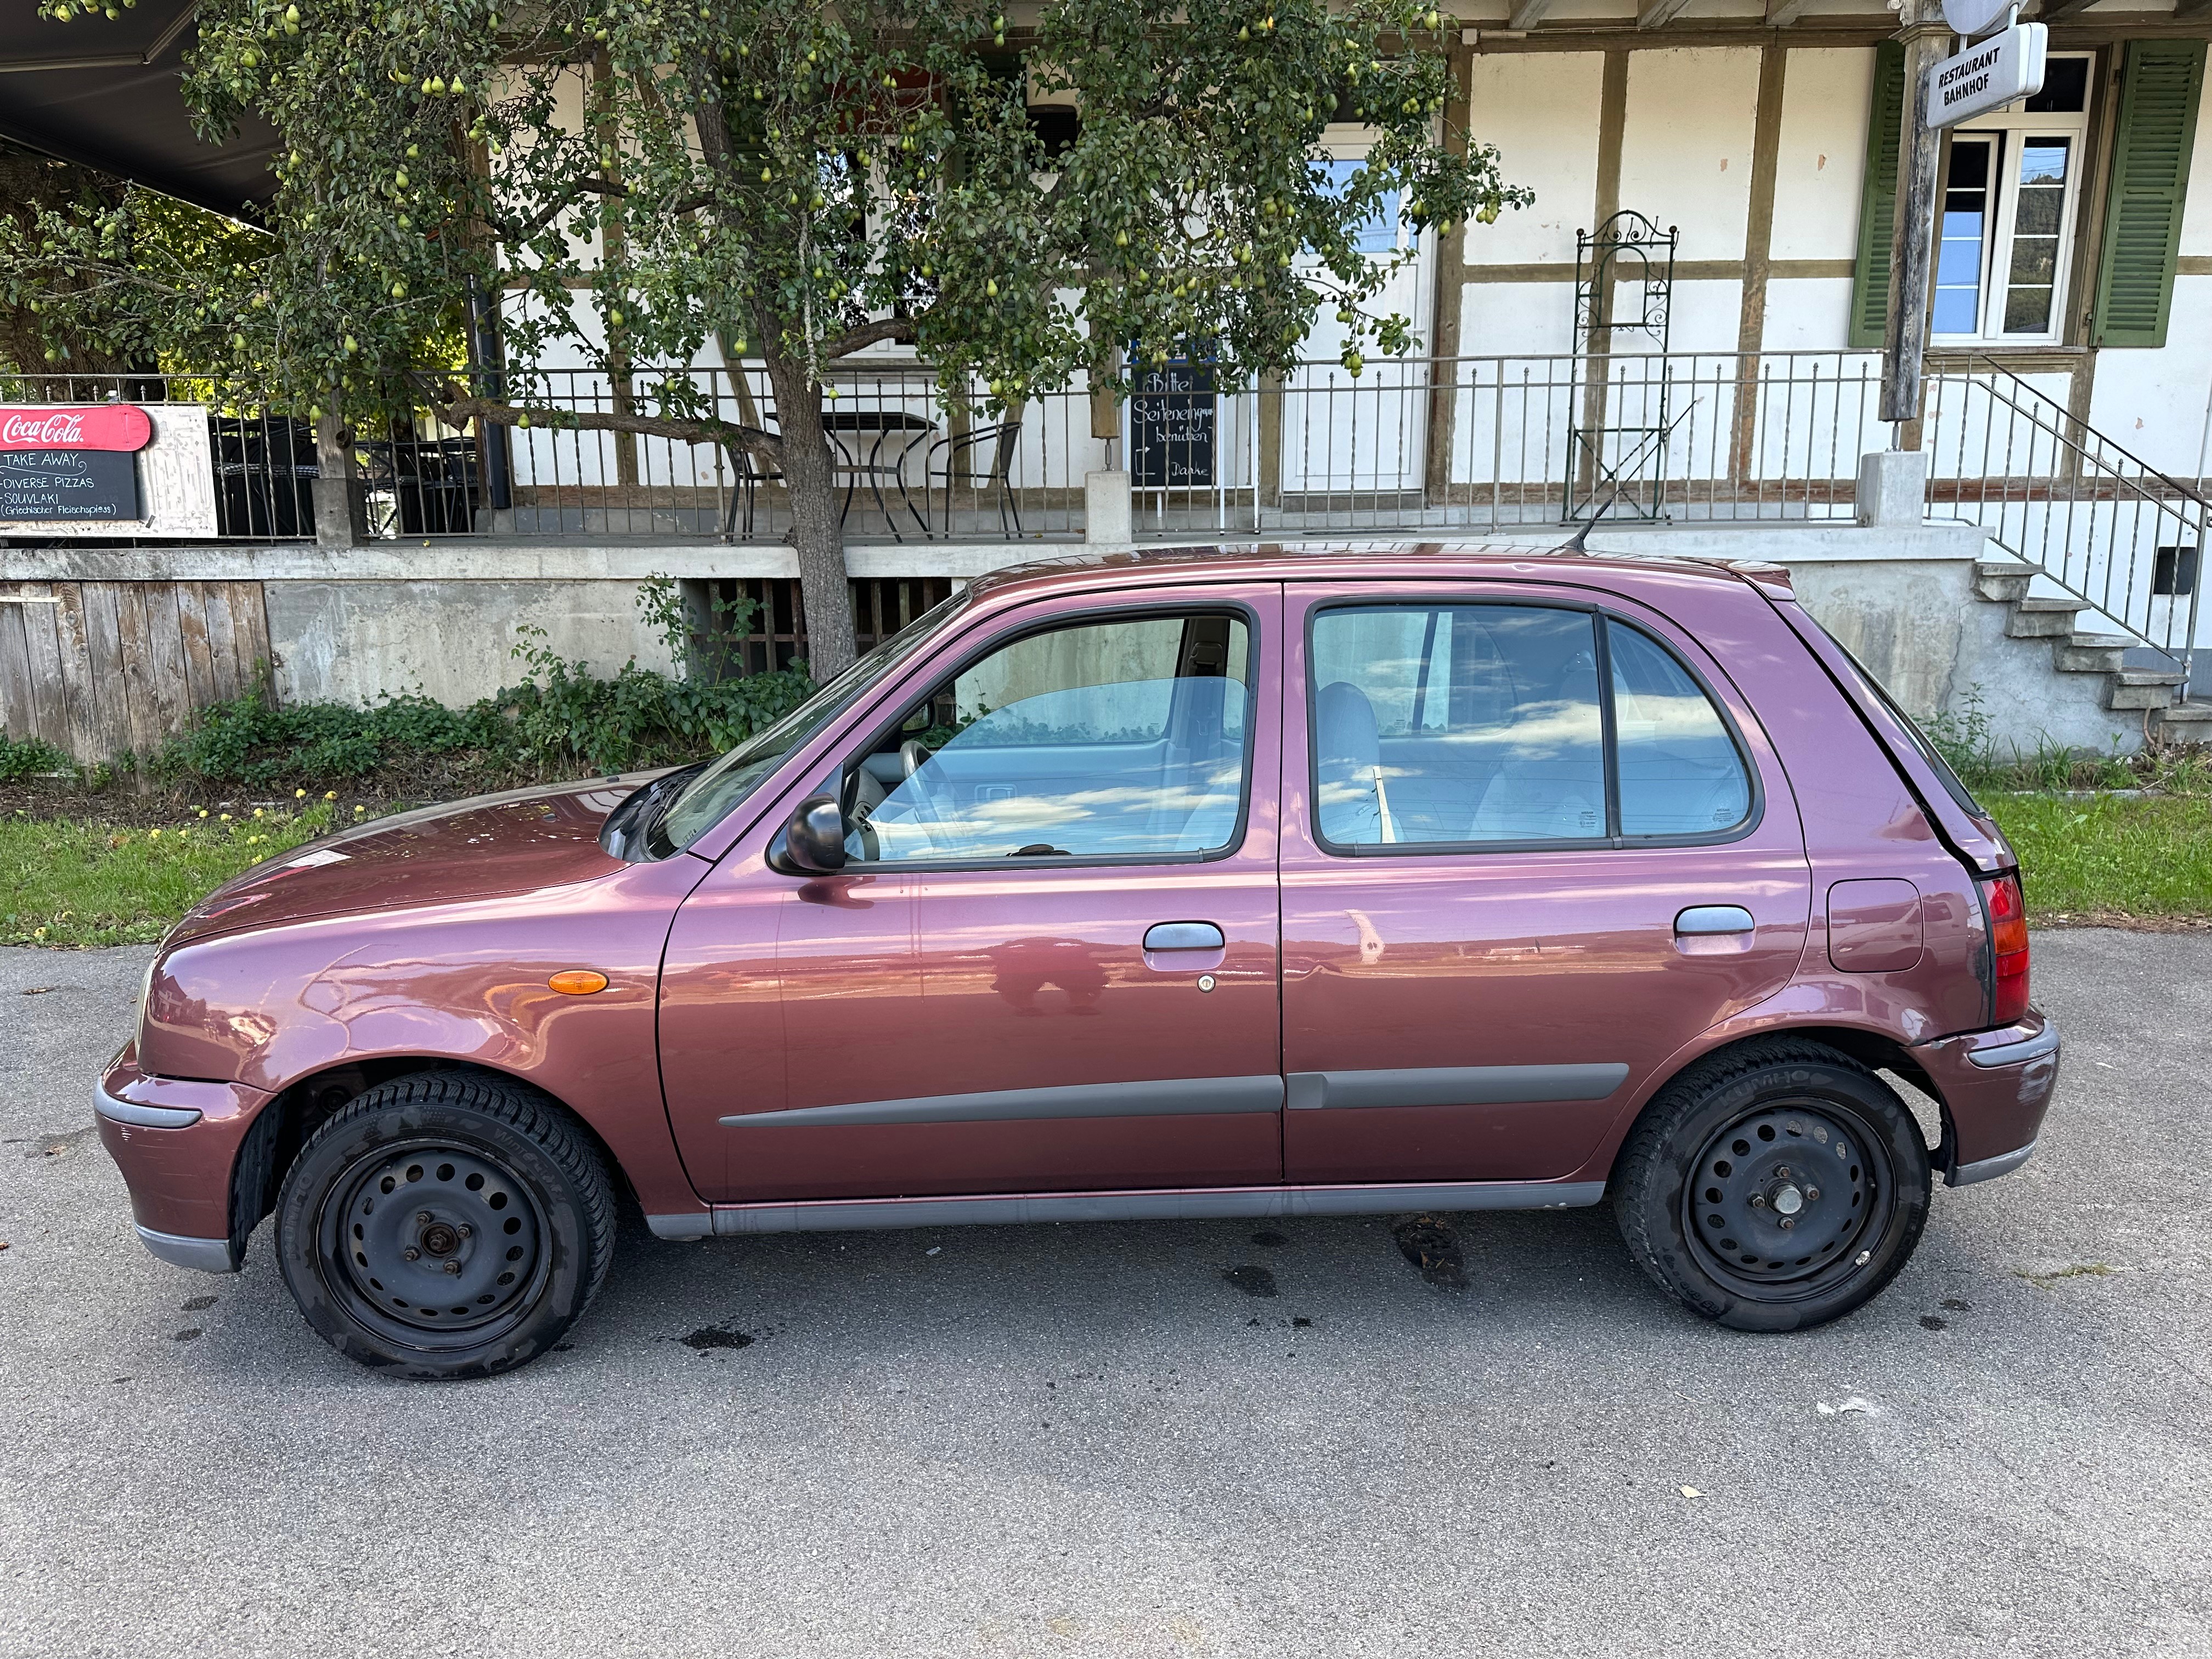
[[2153, 133], [1878, 197]]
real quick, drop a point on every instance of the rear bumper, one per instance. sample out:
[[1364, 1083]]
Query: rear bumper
[[1996, 1087], [176, 1143]]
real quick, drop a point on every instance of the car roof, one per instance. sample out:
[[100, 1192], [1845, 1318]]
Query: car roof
[[1357, 561]]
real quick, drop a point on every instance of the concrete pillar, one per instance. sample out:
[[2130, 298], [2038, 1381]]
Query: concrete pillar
[[1109, 512], [1894, 488]]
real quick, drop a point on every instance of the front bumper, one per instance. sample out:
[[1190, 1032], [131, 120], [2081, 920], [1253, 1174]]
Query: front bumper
[[1995, 1088], [176, 1142]]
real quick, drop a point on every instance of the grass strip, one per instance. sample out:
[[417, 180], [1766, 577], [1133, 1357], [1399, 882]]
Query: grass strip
[[67, 881], [2111, 857]]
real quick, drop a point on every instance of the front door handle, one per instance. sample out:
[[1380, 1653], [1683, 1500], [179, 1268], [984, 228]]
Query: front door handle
[[1182, 936], [1702, 920]]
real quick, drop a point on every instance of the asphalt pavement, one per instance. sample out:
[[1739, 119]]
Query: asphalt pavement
[[1202, 1438]]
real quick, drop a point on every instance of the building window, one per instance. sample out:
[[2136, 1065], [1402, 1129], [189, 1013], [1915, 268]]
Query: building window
[[2012, 184]]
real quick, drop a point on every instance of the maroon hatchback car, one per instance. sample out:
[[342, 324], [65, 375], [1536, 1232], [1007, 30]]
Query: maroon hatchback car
[[1198, 884]]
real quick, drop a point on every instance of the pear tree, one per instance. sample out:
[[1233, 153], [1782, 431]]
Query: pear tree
[[636, 182]]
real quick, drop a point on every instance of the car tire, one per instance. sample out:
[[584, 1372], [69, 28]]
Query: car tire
[[1773, 1187], [446, 1224]]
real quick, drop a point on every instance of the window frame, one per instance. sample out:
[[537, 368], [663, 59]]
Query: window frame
[[2012, 129], [1603, 616], [903, 705]]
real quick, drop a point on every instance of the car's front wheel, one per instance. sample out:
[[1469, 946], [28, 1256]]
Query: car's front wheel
[[446, 1224], [1774, 1186]]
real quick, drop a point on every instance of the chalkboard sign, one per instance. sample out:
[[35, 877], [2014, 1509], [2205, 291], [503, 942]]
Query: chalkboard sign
[[68, 484], [1171, 427]]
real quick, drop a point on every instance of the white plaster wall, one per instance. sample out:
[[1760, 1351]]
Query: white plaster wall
[[1822, 154], [1807, 313], [1707, 315], [1686, 148], [1516, 319], [1542, 112], [2152, 403]]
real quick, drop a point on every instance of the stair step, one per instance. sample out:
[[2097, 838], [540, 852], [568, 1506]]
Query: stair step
[[2028, 624], [2141, 696], [2151, 676], [2040, 606], [2197, 717], [2090, 653], [2003, 581]]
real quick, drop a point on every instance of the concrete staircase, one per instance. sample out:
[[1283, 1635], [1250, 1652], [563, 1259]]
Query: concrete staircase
[[2076, 650]]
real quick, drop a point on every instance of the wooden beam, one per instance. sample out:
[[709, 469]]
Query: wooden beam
[[2187, 11], [2053, 11], [1781, 14], [1657, 14], [1527, 13]]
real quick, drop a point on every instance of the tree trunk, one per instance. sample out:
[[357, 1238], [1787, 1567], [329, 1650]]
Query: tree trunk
[[817, 520]]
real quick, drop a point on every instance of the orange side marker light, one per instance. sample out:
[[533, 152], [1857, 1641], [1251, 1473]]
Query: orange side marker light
[[578, 982]]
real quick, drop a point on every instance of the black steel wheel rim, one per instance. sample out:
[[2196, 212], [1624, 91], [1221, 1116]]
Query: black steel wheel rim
[[434, 1245], [1788, 1200]]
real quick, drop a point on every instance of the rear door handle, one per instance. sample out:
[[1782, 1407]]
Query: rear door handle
[[1182, 936], [1704, 919]]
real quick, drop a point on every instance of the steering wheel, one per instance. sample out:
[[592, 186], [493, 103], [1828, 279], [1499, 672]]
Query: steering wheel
[[919, 792]]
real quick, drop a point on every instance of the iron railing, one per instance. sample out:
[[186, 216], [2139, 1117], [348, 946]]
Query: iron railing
[[2101, 524], [1412, 446]]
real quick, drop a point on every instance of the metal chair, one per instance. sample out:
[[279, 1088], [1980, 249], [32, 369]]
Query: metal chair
[[959, 450]]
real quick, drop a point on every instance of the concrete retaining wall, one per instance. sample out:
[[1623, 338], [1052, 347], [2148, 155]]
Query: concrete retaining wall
[[353, 624]]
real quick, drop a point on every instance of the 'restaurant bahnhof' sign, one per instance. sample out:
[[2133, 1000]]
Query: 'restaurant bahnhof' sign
[[1988, 75], [77, 462]]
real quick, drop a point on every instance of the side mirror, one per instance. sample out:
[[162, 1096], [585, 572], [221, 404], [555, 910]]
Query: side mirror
[[812, 842]]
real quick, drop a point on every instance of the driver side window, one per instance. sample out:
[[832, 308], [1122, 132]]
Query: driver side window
[[1109, 739]]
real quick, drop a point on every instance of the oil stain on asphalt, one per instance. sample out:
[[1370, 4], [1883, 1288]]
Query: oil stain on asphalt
[[1253, 1281], [1433, 1247], [710, 1337]]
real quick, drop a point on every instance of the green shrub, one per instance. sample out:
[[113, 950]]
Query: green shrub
[[30, 757], [560, 717]]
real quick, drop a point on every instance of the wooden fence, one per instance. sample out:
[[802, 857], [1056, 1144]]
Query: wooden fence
[[95, 668]]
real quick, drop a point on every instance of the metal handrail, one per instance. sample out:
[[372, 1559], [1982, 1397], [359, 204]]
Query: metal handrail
[[2076, 508]]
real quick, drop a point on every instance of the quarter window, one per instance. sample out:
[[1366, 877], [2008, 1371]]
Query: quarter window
[[1473, 725], [1123, 738]]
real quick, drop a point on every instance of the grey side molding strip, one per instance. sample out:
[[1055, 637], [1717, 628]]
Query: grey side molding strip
[[1241, 1203], [141, 1117], [1161, 1098], [1989, 1169], [2045, 1041], [207, 1255], [1454, 1085]]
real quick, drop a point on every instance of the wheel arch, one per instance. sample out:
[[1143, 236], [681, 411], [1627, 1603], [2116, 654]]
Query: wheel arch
[[285, 1124], [1878, 1051]]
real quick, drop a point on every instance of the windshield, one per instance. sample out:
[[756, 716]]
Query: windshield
[[709, 798]]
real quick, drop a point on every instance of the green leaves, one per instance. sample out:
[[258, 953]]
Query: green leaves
[[803, 178]]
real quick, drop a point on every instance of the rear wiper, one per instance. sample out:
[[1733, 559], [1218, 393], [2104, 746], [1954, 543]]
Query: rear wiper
[[1039, 850]]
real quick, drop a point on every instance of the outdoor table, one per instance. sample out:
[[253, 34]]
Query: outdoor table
[[886, 425]]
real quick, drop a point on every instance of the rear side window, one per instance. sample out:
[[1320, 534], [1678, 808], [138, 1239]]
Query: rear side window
[[1496, 725]]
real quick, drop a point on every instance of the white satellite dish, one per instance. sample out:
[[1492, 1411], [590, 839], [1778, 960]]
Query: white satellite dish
[[1976, 17]]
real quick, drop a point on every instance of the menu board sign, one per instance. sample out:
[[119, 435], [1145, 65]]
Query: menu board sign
[[71, 464]]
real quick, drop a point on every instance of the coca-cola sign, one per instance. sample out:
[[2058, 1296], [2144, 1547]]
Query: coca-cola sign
[[86, 426]]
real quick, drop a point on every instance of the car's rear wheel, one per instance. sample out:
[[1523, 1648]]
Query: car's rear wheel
[[1775, 1185], [446, 1224]]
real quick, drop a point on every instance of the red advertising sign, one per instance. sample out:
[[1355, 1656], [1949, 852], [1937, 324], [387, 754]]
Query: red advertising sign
[[86, 426]]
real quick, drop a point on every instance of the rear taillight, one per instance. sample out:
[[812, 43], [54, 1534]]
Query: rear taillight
[[2009, 948]]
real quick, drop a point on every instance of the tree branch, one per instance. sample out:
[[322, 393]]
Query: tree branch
[[901, 328], [456, 408]]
